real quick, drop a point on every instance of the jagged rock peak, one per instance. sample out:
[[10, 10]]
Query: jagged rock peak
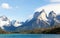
[[4, 18], [52, 14], [38, 13]]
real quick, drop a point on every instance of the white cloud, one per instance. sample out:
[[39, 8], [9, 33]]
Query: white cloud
[[54, 0], [49, 8], [6, 6]]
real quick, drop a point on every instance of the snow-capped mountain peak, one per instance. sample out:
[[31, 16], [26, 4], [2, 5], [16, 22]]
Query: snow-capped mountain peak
[[3, 18], [4, 21], [52, 15], [37, 13], [43, 15], [17, 23]]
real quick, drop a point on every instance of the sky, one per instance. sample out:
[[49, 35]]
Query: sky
[[22, 9]]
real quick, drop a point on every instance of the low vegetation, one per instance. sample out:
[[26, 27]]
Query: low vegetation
[[53, 30]]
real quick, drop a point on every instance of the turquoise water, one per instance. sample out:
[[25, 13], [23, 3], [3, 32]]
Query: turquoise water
[[29, 36]]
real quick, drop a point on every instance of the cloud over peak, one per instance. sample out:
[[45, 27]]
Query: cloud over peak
[[55, 1]]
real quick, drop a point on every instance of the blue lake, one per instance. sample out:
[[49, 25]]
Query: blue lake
[[29, 36]]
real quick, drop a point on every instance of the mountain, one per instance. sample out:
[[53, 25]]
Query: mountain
[[4, 21], [51, 18], [13, 26], [16, 23], [7, 25], [41, 20]]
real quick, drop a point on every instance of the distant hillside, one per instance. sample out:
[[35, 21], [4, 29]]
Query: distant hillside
[[53, 30]]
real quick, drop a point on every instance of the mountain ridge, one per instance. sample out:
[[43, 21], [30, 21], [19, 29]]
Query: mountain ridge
[[39, 20]]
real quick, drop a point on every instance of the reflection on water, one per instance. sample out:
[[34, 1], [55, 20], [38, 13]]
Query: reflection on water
[[29, 35]]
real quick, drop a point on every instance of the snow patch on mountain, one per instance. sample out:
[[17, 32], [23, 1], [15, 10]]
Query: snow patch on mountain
[[17, 24], [4, 21]]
